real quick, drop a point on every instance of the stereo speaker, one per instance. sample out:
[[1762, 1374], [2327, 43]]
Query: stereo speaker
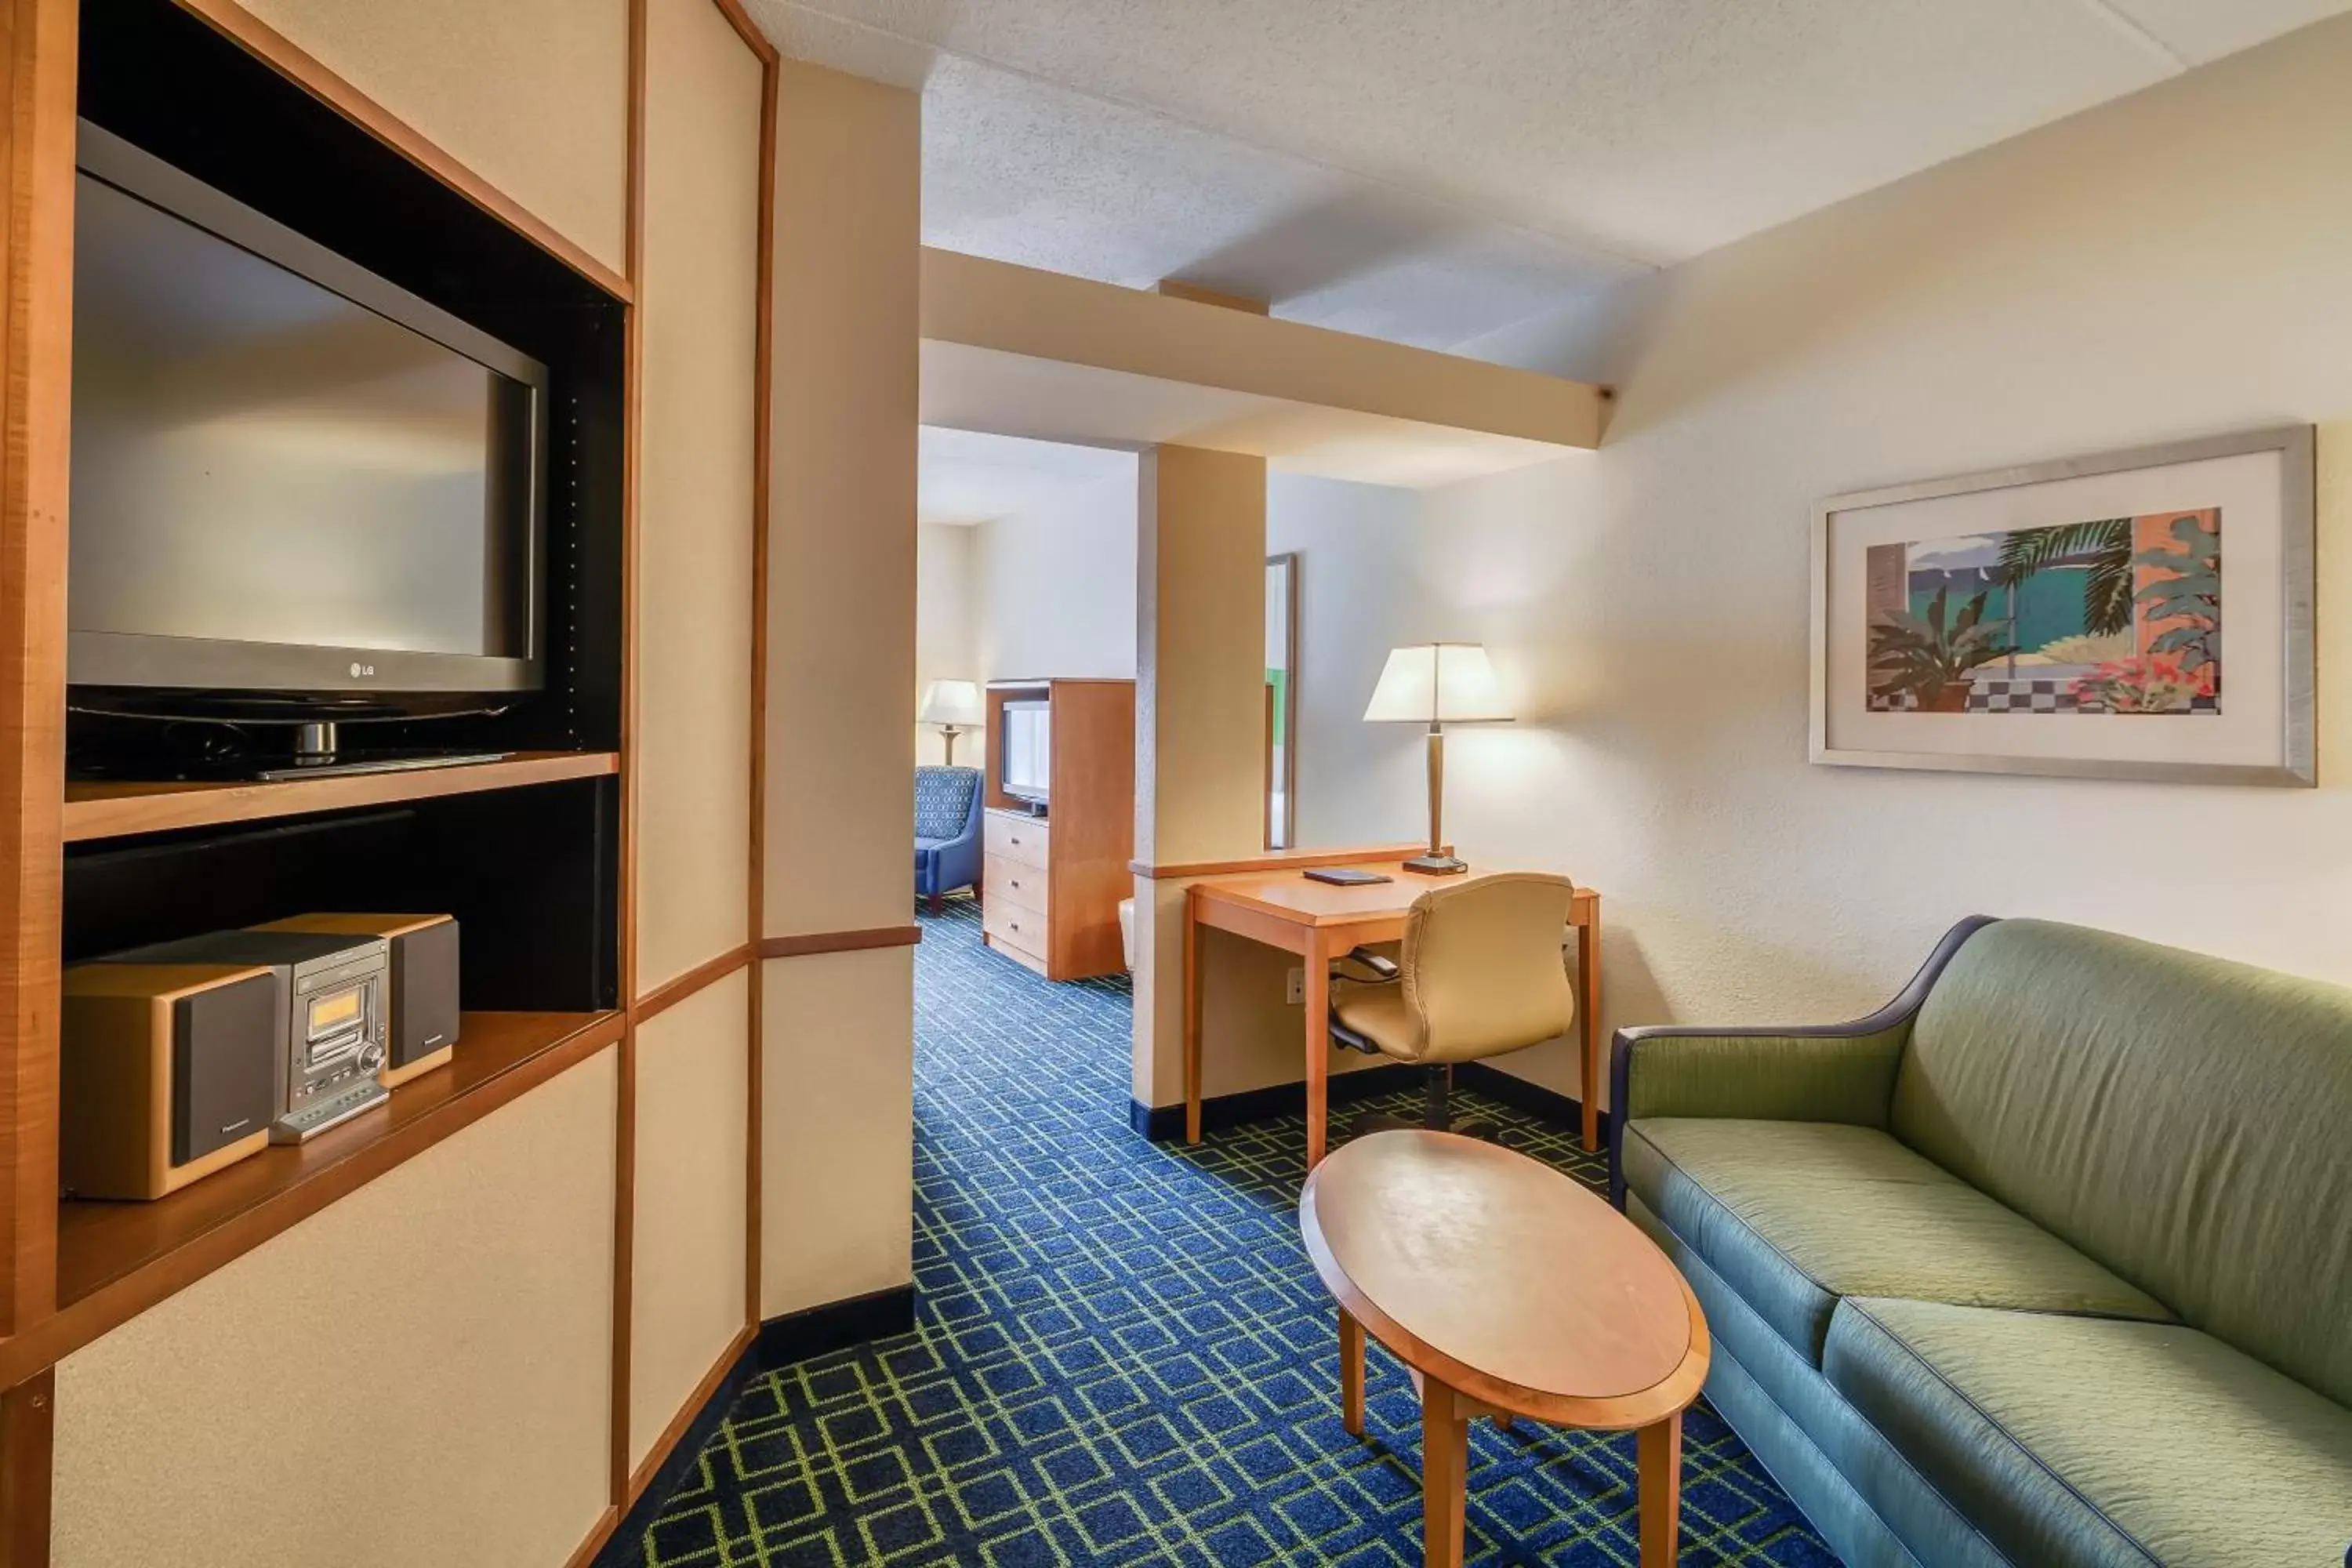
[[167, 1072]]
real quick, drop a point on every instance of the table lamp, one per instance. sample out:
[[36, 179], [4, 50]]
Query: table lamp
[[954, 707], [1437, 684]]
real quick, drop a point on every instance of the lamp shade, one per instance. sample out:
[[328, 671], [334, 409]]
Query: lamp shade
[[1446, 682], [951, 702]]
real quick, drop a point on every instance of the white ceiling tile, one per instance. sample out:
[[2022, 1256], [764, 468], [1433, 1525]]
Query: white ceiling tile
[[2204, 30], [1433, 169]]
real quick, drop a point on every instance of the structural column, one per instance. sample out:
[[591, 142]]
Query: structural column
[[1200, 714], [836, 985]]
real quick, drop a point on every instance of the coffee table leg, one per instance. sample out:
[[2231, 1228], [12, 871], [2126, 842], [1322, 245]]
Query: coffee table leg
[[1445, 1480], [1662, 1490], [1351, 1374]]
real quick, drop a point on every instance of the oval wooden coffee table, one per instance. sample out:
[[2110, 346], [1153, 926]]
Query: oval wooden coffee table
[[1509, 1290]]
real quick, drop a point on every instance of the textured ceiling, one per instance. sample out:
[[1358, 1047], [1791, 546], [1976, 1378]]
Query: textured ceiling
[[1431, 170], [966, 478]]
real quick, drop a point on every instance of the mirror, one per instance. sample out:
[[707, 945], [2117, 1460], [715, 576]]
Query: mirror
[[1281, 700]]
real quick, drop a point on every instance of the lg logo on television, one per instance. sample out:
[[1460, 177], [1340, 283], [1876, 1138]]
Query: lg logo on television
[[361, 671]]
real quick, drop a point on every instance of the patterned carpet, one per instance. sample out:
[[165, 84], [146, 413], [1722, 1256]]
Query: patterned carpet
[[1122, 1356]]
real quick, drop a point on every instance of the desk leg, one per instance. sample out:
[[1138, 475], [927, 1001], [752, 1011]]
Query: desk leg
[[1351, 1374], [1445, 1475], [1661, 1448], [1318, 1043], [1588, 987], [1191, 1020]]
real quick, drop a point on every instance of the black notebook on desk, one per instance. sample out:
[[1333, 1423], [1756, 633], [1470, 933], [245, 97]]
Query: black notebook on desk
[[1345, 877]]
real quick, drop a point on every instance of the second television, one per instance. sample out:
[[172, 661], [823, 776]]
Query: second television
[[1025, 763]]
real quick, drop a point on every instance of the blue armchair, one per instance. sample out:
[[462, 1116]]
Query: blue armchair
[[947, 831]]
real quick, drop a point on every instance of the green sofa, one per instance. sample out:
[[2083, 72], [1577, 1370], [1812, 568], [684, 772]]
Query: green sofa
[[2047, 1262]]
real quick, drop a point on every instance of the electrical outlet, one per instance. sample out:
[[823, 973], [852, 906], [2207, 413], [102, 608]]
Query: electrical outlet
[[1294, 988]]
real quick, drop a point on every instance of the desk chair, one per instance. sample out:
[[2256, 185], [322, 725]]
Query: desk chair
[[1480, 975]]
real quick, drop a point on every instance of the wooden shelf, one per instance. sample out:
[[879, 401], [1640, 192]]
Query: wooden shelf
[[114, 810], [117, 1259]]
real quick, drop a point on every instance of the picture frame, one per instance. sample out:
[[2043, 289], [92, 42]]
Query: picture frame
[[2076, 618]]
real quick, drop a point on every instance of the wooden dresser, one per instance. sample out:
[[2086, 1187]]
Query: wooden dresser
[[1051, 885]]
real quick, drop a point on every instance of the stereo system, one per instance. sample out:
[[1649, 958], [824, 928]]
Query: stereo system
[[424, 984], [184, 1056]]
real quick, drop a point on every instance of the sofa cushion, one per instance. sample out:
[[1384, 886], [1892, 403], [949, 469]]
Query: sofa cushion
[[1794, 1214], [2097, 1441], [2178, 1117], [1867, 1501]]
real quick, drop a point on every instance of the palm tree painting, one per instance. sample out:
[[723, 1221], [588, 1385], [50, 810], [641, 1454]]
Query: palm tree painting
[[2118, 615]]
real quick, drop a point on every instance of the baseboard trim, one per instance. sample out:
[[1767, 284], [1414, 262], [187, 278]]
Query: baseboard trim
[[815, 1330], [1165, 1124], [624, 1548], [795, 1336], [1545, 1104]]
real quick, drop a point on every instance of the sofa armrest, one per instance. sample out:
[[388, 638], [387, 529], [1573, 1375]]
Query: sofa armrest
[[1809, 1072]]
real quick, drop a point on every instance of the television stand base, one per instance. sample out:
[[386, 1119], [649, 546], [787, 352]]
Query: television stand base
[[332, 764]]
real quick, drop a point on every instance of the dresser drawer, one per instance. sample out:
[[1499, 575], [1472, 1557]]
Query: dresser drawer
[[1009, 925], [1015, 882], [1021, 839]]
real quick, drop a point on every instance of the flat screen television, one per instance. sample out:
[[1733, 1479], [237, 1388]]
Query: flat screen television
[[1025, 763], [299, 492]]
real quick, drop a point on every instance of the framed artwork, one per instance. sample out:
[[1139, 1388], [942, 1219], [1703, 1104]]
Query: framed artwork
[[2140, 615], [1281, 700]]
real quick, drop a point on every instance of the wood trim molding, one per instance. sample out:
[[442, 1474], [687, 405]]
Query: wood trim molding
[[591, 1548], [625, 1121], [28, 1413], [720, 1370], [115, 810], [746, 29], [763, 462], [663, 997], [1278, 860], [41, 44], [810, 943], [356, 1158], [290, 60]]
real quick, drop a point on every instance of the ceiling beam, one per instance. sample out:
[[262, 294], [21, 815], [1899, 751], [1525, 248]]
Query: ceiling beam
[[1022, 352]]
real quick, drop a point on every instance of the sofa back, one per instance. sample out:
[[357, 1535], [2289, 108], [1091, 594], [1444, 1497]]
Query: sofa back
[[2185, 1121]]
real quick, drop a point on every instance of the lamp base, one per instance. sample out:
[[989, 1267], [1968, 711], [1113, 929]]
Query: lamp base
[[1437, 865]]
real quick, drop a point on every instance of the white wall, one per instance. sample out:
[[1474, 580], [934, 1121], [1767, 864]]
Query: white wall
[[1053, 586], [2171, 265], [1359, 593], [944, 646]]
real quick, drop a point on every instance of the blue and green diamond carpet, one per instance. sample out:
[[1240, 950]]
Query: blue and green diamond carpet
[[1121, 1354]]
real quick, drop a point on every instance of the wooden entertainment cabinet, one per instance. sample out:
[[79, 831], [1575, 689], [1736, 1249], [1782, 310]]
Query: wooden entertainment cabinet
[[1051, 884]]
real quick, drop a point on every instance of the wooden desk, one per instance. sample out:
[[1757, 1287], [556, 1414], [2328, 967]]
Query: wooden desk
[[1509, 1290], [1321, 922]]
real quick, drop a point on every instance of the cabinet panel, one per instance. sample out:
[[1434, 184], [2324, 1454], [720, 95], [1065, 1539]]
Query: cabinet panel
[[698, 296], [687, 1256], [531, 95], [445, 1332]]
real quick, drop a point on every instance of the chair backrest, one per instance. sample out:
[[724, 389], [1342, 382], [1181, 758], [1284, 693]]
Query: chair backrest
[[2181, 1119], [944, 798], [1482, 965]]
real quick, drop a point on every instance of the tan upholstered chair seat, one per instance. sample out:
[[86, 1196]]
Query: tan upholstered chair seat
[[1377, 1014]]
